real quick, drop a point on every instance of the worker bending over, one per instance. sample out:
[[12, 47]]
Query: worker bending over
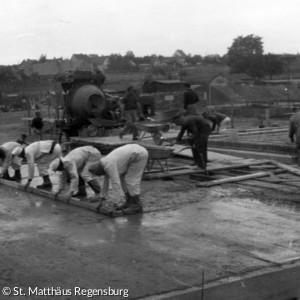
[[8, 160], [76, 165], [200, 130], [294, 131], [220, 122], [43, 153], [124, 166]]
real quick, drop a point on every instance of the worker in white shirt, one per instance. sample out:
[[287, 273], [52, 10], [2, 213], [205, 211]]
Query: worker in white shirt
[[76, 165], [124, 167], [7, 160], [43, 153]]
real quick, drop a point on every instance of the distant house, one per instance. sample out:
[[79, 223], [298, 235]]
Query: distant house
[[81, 62], [291, 81], [179, 53], [145, 67], [49, 67], [86, 62], [164, 86], [228, 79], [27, 66]]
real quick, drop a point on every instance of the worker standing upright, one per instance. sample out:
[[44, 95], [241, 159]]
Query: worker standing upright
[[124, 167], [37, 125], [43, 153], [190, 100], [131, 112], [294, 130], [76, 165]]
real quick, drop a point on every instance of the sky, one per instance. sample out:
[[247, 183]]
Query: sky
[[61, 28]]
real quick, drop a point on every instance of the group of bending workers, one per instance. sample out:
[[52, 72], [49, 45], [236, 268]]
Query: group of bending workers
[[123, 167]]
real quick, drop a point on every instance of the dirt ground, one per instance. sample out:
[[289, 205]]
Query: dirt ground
[[221, 232]]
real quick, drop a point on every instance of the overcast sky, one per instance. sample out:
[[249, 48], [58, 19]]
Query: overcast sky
[[60, 28]]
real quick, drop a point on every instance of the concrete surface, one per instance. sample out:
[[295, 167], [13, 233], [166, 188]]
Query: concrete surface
[[225, 232]]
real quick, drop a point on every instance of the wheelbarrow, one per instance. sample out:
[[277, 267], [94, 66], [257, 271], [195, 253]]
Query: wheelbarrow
[[161, 155], [101, 124], [153, 128]]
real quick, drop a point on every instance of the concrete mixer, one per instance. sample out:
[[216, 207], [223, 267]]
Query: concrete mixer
[[86, 104]]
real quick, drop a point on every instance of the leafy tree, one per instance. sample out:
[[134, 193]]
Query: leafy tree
[[120, 63], [130, 54], [273, 65], [245, 55], [42, 58], [7, 74], [193, 60], [182, 74]]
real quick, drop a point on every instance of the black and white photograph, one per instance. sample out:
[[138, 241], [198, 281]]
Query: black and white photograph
[[150, 150]]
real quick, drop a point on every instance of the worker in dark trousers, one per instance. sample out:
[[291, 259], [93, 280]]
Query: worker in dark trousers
[[76, 165], [131, 112], [294, 131], [37, 125], [200, 130], [190, 100]]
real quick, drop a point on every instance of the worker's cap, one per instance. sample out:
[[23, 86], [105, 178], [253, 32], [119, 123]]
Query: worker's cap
[[17, 151], [179, 114], [130, 88], [56, 165], [96, 169]]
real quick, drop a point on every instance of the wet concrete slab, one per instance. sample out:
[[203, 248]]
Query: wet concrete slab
[[225, 233]]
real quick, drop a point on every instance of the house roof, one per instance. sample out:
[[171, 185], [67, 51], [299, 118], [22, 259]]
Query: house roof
[[238, 76], [174, 81], [233, 77]]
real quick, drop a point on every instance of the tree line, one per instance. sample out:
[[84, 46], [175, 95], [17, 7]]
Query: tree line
[[245, 55]]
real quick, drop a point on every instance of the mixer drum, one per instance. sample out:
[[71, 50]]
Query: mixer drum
[[87, 101]]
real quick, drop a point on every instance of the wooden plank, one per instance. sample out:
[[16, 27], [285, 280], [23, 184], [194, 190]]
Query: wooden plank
[[291, 169], [185, 167], [160, 175], [201, 177], [50, 194], [272, 177], [272, 186], [234, 179]]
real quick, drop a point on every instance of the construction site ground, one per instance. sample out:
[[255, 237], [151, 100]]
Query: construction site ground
[[192, 242]]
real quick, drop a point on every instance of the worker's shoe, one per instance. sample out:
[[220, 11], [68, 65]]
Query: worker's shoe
[[81, 192], [6, 176], [46, 184], [126, 203], [134, 207], [17, 176], [110, 209], [95, 186]]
